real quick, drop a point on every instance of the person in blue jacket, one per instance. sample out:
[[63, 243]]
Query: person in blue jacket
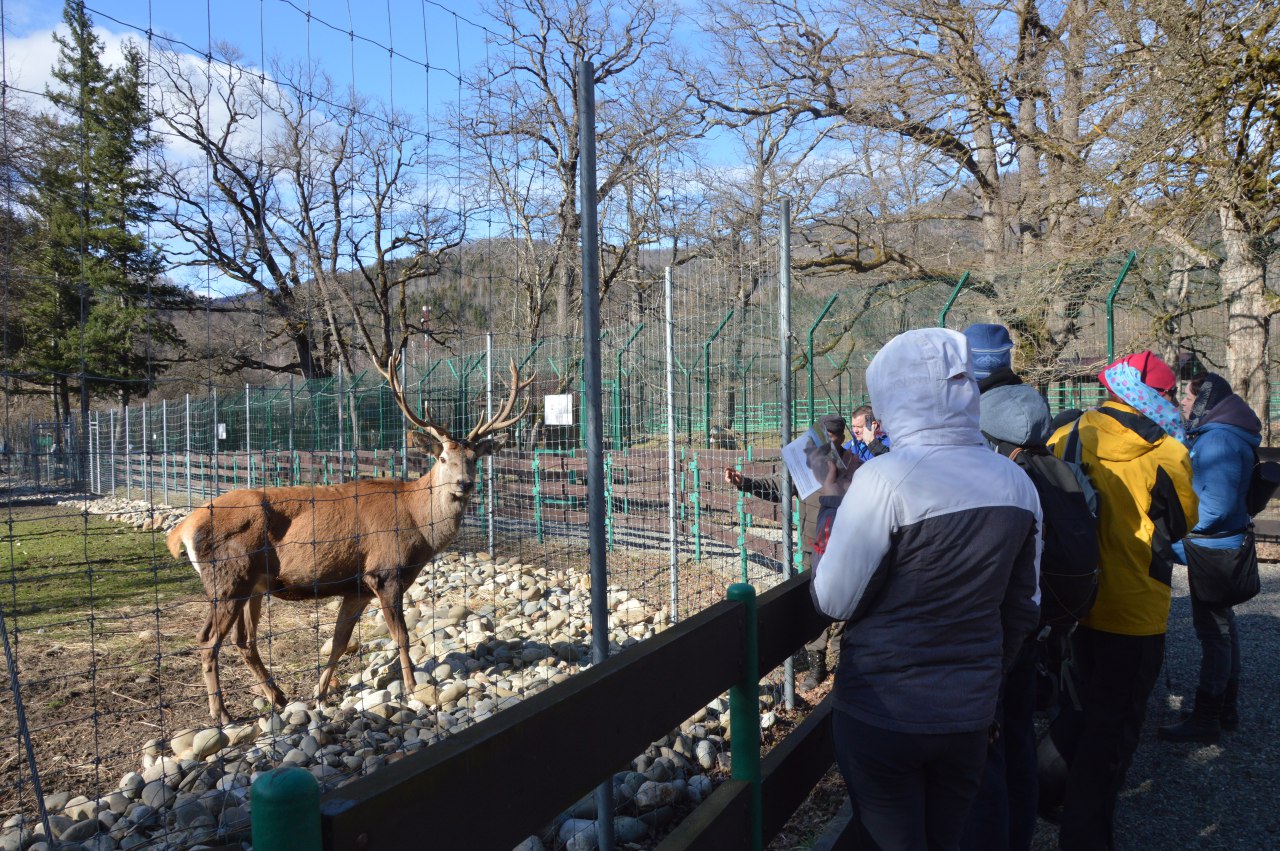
[[1224, 434], [869, 440]]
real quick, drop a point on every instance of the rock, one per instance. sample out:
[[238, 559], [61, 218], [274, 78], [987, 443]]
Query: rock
[[208, 742], [81, 831], [164, 767], [705, 752], [182, 740], [192, 813], [653, 794], [533, 843], [578, 834], [699, 788], [158, 795]]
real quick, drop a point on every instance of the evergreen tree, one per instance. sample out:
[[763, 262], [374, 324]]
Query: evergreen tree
[[90, 301]]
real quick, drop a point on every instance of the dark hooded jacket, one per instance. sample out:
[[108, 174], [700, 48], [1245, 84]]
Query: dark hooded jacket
[[1223, 442]]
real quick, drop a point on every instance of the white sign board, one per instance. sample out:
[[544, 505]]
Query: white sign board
[[558, 409], [222, 431]]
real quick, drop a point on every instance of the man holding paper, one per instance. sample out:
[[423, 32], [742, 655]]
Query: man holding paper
[[807, 462]]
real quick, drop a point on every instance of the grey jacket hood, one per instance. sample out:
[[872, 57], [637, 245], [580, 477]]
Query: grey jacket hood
[[1017, 414], [923, 390]]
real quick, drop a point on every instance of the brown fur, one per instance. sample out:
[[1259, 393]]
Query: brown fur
[[357, 541]]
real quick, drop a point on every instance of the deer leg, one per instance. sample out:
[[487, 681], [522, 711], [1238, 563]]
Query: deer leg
[[392, 601], [245, 637], [222, 617], [348, 617]]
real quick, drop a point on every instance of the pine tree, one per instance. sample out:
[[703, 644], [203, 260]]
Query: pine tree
[[93, 288]]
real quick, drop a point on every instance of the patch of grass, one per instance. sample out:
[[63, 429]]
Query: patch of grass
[[57, 567]]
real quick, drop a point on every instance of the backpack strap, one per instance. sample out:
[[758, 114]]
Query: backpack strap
[[1072, 450]]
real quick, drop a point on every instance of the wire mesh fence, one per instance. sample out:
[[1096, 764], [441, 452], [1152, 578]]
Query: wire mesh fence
[[112, 642]]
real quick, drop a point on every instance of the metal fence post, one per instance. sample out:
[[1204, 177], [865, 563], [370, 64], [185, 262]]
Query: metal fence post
[[595, 435], [1111, 306], [955, 293], [286, 810], [248, 445], [786, 401], [112, 425], [821, 315], [128, 451], [671, 442], [187, 429], [339, 422], [744, 712], [164, 451], [217, 471], [489, 496]]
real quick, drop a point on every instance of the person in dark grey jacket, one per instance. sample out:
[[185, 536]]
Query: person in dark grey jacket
[[932, 560], [1014, 416]]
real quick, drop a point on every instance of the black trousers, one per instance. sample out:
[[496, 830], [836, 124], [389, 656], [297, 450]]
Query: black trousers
[[910, 790], [1116, 674]]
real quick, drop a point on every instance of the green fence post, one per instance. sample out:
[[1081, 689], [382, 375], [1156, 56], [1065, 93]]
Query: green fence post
[[744, 713], [696, 498], [955, 293], [814, 327], [706, 373], [742, 528], [617, 389], [286, 810], [1111, 306], [537, 496]]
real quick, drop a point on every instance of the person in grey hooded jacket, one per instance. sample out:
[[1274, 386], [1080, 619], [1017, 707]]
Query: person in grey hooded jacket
[[932, 560]]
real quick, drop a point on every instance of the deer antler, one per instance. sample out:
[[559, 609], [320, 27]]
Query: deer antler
[[440, 433], [504, 419]]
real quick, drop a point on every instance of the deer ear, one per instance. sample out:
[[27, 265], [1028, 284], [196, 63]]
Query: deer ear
[[422, 440], [489, 446]]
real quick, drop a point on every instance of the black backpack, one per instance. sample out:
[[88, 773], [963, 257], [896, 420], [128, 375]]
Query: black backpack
[[1069, 562]]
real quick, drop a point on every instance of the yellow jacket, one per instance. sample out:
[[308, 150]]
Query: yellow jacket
[[1145, 503]]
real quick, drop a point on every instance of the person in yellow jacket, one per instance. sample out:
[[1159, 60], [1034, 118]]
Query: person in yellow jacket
[[1133, 450]]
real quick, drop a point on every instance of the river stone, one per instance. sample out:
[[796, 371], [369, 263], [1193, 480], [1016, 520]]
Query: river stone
[[17, 839], [533, 843], [158, 795], [652, 795], [182, 740], [80, 807], [208, 742], [80, 831], [164, 767], [699, 787], [706, 754], [193, 814], [628, 829], [55, 802], [577, 827]]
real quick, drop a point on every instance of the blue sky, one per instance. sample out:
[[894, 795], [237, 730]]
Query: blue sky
[[445, 36]]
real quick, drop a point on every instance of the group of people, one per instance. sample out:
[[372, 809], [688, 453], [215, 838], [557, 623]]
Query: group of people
[[925, 552]]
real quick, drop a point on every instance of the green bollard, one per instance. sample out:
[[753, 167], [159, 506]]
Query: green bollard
[[744, 713], [286, 810]]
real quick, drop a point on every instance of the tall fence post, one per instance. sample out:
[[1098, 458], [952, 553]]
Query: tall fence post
[[217, 461], [1111, 306], [248, 443], [744, 713], [286, 810], [671, 441], [112, 426], [164, 451], [813, 327], [951, 299], [786, 402], [339, 423], [187, 428], [128, 452], [595, 435], [706, 374], [489, 473]]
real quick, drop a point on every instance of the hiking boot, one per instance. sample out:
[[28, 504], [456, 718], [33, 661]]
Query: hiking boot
[[1229, 720], [817, 670], [1202, 726]]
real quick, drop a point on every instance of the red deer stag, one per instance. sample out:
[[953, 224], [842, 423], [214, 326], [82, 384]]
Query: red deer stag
[[359, 540]]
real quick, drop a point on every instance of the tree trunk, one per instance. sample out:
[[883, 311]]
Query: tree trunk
[[1243, 276]]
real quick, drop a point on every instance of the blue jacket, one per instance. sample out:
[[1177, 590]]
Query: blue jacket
[[866, 452], [1222, 457]]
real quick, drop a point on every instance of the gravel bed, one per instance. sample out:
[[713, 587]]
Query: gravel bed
[[1207, 796]]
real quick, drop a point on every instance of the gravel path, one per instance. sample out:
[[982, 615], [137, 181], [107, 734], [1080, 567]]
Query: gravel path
[[1217, 796]]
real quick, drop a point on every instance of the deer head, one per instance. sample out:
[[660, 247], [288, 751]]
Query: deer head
[[456, 457]]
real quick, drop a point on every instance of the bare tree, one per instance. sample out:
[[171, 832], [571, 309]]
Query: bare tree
[[521, 129]]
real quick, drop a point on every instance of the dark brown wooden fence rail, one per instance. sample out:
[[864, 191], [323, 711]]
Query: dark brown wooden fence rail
[[556, 747]]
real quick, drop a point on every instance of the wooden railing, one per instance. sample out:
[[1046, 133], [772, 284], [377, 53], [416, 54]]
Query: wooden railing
[[497, 783]]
